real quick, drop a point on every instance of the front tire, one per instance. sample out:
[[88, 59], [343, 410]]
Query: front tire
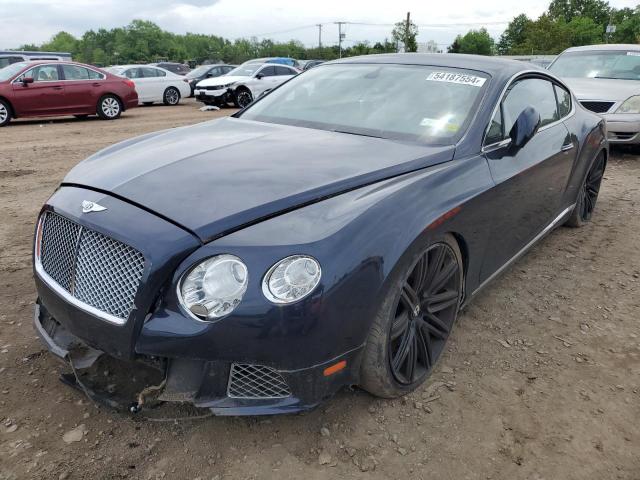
[[171, 96], [588, 194], [5, 113], [109, 107], [411, 329], [242, 98]]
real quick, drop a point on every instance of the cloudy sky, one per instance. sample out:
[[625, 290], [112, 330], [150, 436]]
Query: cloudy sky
[[35, 21]]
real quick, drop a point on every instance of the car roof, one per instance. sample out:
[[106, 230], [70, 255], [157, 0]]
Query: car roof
[[34, 63], [494, 66], [604, 46]]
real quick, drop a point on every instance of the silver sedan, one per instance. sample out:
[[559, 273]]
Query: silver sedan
[[606, 80]]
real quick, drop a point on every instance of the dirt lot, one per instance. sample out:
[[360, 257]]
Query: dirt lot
[[541, 379]]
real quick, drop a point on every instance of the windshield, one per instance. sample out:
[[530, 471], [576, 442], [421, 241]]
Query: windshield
[[421, 103], [620, 64], [7, 72], [198, 72], [245, 70]]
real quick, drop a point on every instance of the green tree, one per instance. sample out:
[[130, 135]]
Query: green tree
[[62, 42], [583, 31], [627, 22], [514, 35], [455, 46], [476, 41], [544, 36], [406, 34], [567, 10]]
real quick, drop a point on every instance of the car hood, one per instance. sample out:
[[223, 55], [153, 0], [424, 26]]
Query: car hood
[[603, 88], [216, 177], [222, 80]]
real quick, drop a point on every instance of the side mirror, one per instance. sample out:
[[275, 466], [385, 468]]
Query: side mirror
[[525, 127], [209, 75], [27, 80], [259, 76]]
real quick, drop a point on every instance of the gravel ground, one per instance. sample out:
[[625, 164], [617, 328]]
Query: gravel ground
[[541, 379]]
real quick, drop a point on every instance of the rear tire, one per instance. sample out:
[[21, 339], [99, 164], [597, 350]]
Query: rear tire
[[171, 96], [109, 107], [588, 194], [410, 331], [5, 113]]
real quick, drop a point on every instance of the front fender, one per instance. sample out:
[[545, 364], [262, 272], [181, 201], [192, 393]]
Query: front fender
[[358, 238]]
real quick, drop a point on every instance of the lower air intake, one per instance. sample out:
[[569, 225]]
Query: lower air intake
[[256, 382]]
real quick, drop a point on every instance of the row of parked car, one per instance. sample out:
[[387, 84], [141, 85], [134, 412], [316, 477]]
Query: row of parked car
[[604, 78], [53, 87]]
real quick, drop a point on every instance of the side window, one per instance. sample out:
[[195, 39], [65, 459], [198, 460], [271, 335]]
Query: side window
[[495, 133], [148, 72], [93, 75], [73, 72], [268, 71], [530, 92], [214, 72], [133, 73], [564, 101], [283, 71], [43, 73]]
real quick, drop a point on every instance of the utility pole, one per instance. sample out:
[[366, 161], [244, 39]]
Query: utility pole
[[407, 31], [319, 25], [340, 37]]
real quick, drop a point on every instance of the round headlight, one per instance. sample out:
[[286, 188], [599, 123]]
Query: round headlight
[[291, 279], [214, 287]]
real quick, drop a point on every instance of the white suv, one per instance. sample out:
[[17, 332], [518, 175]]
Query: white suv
[[243, 84]]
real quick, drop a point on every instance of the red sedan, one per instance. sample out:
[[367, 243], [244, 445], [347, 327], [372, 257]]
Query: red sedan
[[54, 88]]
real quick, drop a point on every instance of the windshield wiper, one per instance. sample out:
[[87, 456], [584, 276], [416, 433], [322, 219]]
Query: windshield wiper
[[355, 133], [613, 78]]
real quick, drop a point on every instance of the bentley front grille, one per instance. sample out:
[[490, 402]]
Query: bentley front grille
[[94, 269], [256, 382]]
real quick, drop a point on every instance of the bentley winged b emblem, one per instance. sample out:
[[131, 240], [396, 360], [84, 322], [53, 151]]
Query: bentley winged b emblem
[[88, 206]]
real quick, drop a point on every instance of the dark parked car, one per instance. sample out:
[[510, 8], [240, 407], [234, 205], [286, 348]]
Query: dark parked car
[[51, 88], [259, 279], [179, 68], [312, 63], [206, 71]]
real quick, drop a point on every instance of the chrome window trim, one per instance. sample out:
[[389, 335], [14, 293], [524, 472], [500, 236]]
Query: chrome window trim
[[529, 74], [104, 77]]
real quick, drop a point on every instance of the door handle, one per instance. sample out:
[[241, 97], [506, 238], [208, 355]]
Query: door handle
[[566, 147], [96, 84], [57, 88]]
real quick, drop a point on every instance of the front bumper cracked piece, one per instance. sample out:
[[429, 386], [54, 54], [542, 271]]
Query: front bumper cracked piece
[[225, 388]]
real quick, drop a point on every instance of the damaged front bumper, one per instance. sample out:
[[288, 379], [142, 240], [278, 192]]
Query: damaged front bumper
[[225, 388]]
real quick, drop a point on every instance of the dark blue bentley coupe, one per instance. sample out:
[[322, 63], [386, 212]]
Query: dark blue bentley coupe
[[326, 235]]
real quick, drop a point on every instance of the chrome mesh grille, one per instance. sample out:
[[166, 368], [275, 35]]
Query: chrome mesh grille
[[256, 381], [97, 270], [58, 248]]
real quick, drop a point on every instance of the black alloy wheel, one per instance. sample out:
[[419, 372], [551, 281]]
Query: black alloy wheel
[[591, 188], [425, 314], [243, 98], [588, 193]]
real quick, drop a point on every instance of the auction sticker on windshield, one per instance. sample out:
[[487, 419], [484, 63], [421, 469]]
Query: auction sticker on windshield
[[460, 78]]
